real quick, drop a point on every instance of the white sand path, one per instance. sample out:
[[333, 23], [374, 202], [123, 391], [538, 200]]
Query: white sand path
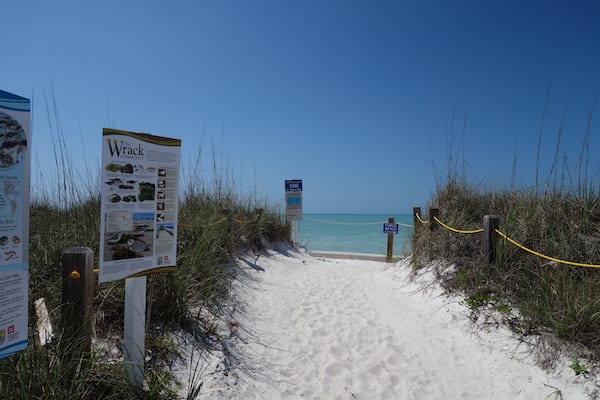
[[338, 329]]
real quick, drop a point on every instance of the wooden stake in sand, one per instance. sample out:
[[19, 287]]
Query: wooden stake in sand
[[390, 241]]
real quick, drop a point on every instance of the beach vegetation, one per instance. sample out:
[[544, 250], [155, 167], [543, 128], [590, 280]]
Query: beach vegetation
[[558, 217], [577, 367], [65, 214], [548, 294], [477, 300]]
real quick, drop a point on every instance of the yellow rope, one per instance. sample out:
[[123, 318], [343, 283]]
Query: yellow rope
[[188, 226], [420, 220], [457, 230], [519, 245], [344, 223], [218, 222], [239, 221]]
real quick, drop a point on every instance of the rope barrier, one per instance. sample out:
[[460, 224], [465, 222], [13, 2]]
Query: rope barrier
[[557, 260], [420, 220], [239, 221], [354, 223], [344, 223], [188, 226], [436, 219], [466, 232], [217, 222], [513, 242]]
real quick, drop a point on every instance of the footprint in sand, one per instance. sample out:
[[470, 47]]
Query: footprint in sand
[[334, 369], [320, 332], [338, 352]]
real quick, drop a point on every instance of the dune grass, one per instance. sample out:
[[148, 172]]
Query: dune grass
[[550, 297], [558, 217], [215, 224]]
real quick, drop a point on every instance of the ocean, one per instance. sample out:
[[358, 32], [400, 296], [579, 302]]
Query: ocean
[[353, 233]]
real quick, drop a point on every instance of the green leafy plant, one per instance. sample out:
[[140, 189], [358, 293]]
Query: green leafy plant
[[504, 308], [577, 367], [477, 300]]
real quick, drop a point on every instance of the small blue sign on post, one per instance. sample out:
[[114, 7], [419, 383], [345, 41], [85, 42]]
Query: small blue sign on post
[[293, 185], [390, 228]]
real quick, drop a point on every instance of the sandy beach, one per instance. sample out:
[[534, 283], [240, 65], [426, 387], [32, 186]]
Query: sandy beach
[[321, 328]]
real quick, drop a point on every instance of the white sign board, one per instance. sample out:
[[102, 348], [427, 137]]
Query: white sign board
[[15, 143], [139, 204], [293, 199]]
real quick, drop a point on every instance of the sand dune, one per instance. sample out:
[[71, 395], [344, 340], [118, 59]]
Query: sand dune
[[317, 328]]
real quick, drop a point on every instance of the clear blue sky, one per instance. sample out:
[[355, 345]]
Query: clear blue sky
[[354, 97]]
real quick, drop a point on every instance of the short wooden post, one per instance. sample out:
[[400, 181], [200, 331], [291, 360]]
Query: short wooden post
[[390, 242], [490, 224], [433, 214], [77, 294], [416, 216]]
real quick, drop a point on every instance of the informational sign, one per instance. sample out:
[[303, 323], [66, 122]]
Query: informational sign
[[15, 143], [139, 205], [293, 199], [390, 228]]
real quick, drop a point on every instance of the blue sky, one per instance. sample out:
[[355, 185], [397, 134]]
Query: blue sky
[[363, 100]]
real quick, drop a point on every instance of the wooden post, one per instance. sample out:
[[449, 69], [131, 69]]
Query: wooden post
[[77, 294], [433, 213], [390, 242], [490, 224], [416, 211]]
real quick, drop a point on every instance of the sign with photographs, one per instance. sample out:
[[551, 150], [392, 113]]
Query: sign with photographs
[[15, 143], [139, 205]]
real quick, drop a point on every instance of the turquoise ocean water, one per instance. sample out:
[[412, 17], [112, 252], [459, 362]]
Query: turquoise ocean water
[[353, 233]]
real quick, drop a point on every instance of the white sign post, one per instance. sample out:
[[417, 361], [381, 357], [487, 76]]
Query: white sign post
[[293, 204], [138, 227], [134, 329], [15, 167]]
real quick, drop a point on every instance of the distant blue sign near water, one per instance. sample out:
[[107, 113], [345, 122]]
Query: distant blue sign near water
[[391, 228], [353, 233]]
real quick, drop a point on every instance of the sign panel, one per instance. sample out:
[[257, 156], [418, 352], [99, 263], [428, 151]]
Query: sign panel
[[390, 228], [294, 185], [293, 199], [139, 205], [15, 143]]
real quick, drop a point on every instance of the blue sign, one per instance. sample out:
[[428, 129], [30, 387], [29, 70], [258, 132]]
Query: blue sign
[[390, 228], [294, 185]]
